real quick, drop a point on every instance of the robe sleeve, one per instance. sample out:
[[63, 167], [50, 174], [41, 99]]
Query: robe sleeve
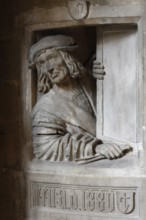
[[54, 141]]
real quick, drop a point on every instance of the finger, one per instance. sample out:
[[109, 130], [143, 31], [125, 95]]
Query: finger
[[118, 149], [102, 152], [99, 77], [105, 154], [95, 66], [116, 153], [96, 62], [126, 147], [99, 71], [111, 154], [98, 65]]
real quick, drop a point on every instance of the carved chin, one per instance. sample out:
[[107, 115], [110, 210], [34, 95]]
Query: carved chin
[[57, 79]]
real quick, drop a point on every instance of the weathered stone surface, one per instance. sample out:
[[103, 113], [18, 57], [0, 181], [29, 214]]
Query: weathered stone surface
[[81, 191], [15, 125], [127, 172], [64, 118]]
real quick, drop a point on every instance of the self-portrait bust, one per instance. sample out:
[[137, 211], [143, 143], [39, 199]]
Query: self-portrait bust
[[64, 118]]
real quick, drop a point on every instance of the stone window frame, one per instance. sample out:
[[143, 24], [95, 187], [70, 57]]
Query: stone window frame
[[29, 81]]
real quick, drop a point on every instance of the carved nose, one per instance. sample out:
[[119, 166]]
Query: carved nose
[[51, 71]]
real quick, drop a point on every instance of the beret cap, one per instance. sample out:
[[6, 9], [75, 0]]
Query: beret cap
[[62, 42]]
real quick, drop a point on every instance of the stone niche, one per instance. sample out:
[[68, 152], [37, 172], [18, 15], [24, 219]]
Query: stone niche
[[104, 189]]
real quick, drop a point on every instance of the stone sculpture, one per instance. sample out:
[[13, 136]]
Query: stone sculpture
[[64, 118]]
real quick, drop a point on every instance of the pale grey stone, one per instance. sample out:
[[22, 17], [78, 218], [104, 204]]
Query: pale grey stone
[[123, 179], [64, 118]]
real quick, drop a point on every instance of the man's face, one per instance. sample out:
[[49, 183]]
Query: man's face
[[52, 64]]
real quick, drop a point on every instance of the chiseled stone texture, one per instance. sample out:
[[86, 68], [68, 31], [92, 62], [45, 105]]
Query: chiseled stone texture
[[14, 115], [61, 191]]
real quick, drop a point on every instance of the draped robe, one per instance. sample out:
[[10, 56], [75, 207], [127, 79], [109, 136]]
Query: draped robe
[[62, 129]]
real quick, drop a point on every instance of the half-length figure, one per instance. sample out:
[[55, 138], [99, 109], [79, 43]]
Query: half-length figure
[[64, 118]]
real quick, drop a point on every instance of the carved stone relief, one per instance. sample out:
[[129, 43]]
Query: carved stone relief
[[78, 9], [84, 115], [64, 118], [84, 198]]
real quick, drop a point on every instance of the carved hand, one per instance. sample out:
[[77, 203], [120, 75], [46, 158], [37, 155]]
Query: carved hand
[[98, 70], [111, 151]]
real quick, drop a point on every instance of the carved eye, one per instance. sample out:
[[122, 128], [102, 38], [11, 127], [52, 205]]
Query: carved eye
[[41, 62], [52, 59]]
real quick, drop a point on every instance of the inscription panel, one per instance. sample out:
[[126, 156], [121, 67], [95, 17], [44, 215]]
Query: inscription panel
[[105, 200]]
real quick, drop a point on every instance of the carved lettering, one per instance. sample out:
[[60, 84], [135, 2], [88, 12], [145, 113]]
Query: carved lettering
[[100, 201], [90, 200], [111, 202], [77, 198]]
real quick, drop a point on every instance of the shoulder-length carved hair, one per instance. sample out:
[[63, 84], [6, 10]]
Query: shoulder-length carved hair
[[76, 70]]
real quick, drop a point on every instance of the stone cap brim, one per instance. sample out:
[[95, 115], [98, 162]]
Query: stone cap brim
[[64, 48]]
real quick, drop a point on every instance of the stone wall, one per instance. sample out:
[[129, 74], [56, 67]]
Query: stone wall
[[11, 174]]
